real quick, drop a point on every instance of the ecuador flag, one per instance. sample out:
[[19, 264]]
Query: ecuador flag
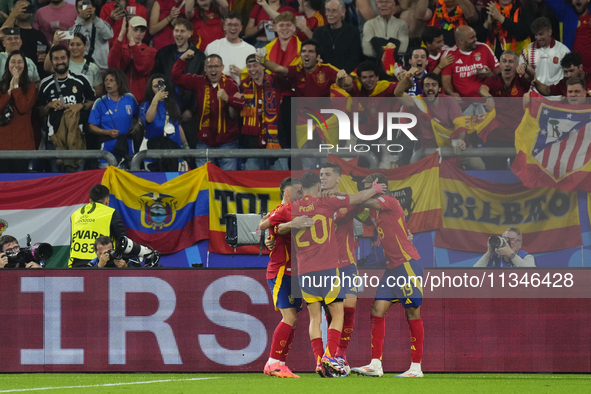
[[236, 192], [42, 208], [416, 187], [474, 209], [552, 145], [168, 217]]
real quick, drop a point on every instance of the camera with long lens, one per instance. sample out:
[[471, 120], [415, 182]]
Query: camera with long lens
[[114, 254], [145, 253], [496, 242], [37, 253]]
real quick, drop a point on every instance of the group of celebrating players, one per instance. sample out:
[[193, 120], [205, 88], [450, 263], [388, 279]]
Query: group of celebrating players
[[318, 219]]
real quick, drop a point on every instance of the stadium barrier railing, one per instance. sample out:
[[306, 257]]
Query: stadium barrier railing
[[59, 154]]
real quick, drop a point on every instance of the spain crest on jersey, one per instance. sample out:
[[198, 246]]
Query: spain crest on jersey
[[158, 210], [553, 142]]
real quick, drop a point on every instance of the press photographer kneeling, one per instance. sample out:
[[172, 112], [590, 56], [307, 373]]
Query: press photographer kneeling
[[505, 251], [13, 256], [127, 254]]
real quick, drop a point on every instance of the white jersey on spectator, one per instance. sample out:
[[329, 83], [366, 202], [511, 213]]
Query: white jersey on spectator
[[546, 61], [231, 54]]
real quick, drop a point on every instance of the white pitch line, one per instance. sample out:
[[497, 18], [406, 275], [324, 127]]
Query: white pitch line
[[103, 385]]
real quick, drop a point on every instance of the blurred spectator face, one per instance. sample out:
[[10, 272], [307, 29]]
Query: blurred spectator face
[[468, 44], [232, 28], [155, 83], [505, 3], [450, 3], [77, 47], [334, 14], [181, 35], [309, 57], [11, 246], [369, 80], [84, 11], [580, 6], [419, 59], [574, 71], [12, 43], [508, 65], [285, 30], [100, 249], [255, 69], [436, 46], [431, 88], [111, 85], [213, 69], [385, 8], [60, 62], [138, 33], [204, 4], [514, 240], [17, 62], [24, 16], [576, 94], [543, 38]]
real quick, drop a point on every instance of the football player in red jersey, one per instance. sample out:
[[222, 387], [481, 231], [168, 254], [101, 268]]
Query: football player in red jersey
[[317, 259], [279, 281], [387, 216]]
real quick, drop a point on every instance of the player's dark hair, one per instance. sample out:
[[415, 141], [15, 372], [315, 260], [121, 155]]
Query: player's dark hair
[[368, 65], [58, 48], [102, 240], [286, 182], [376, 175], [576, 81], [571, 59], [312, 42], [309, 180], [233, 15], [435, 77], [6, 239], [183, 22], [421, 49], [98, 193], [335, 167], [541, 24], [430, 34]]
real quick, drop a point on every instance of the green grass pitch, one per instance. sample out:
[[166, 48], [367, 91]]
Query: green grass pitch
[[308, 383]]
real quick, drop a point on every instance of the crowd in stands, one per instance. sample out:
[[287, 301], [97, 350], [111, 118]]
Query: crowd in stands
[[130, 75]]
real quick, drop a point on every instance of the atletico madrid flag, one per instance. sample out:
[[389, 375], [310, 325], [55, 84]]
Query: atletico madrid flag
[[552, 145]]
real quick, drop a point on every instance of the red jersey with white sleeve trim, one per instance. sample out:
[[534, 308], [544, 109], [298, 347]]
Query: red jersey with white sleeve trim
[[391, 228], [463, 70], [281, 254]]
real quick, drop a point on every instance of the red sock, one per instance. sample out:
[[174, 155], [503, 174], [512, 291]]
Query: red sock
[[318, 349], [378, 333], [280, 337], [347, 331], [287, 346], [332, 342], [417, 336]]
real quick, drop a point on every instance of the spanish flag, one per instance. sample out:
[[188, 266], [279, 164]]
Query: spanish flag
[[169, 217], [416, 187], [474, 209], [552, 145]]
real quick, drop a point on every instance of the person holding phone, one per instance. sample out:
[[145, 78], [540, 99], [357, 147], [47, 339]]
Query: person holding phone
[[163, 16], [97, 33], [58, 15], [118, 11]]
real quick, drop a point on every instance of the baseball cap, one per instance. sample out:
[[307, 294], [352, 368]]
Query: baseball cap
[[251, 59], [11, 31], [137, 21]]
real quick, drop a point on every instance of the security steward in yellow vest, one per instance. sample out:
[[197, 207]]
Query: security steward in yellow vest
[[93, 220]]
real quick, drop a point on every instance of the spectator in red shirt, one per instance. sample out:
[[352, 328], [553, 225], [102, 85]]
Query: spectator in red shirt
[[162, 17], [218, 128], [473, 63], [263, 14], [572, 66], [208, 25], [114, 14], [313, 17], [433, 40], [133, 57], [513, 82]]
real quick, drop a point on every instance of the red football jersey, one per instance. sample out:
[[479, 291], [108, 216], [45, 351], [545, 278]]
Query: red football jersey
[[391, 227], [345, 235], [463, 70], [314, 84], [281, 255], [316, 247]]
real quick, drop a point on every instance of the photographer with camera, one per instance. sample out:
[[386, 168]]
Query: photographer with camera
[[106, 256], [10, 247], [505, 251]]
